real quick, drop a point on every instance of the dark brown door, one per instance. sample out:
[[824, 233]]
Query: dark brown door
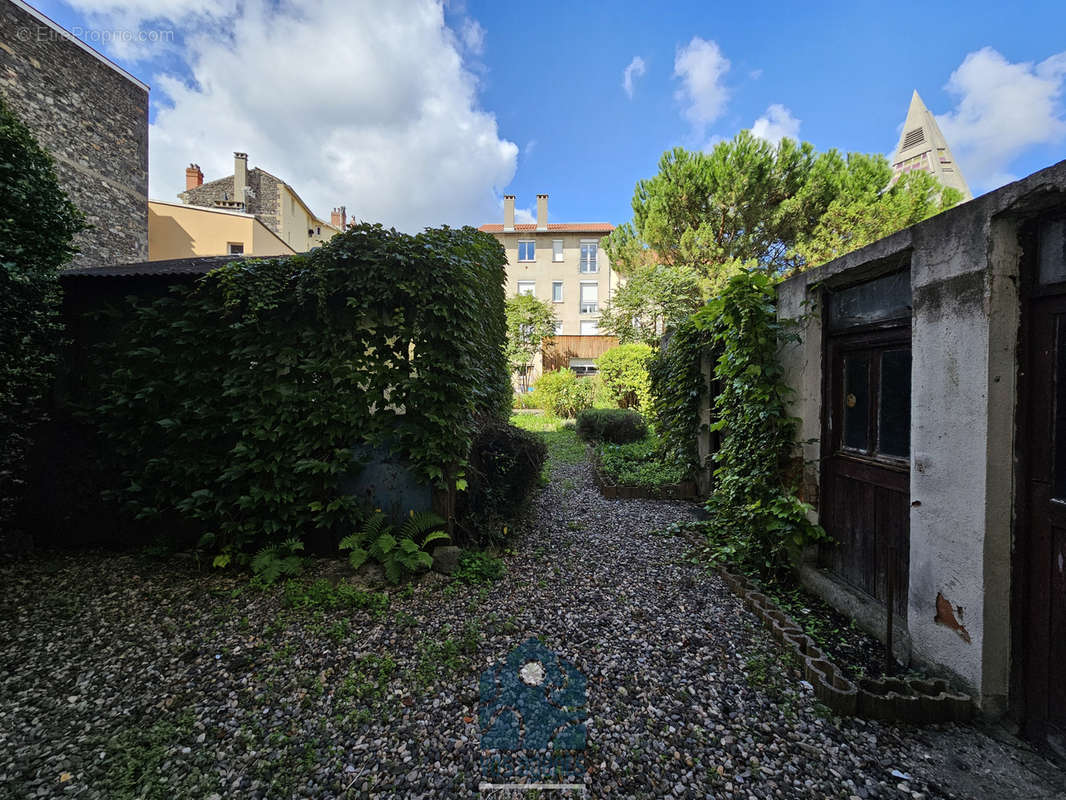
[[866, 460], [1045, 536]]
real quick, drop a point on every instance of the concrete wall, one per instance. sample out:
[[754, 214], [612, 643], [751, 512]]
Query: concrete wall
[[180, 231], [965, 270], [92, 118]]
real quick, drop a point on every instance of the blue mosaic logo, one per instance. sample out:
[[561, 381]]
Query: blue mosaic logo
[[532, 715]]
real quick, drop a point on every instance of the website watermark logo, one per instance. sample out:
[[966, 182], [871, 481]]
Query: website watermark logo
[[532, 713], [95, 36]]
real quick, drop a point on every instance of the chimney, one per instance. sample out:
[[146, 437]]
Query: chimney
[[240, 176], [339, 218], [508, 212], [542, 212], [193, 177]]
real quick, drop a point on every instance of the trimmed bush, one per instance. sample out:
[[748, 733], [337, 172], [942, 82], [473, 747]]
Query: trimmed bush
[[624, 371], [504, 468], [563, 393], [615, 425], [37, 226]]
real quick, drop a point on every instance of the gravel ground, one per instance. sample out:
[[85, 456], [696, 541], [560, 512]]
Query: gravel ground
[[126, 677]]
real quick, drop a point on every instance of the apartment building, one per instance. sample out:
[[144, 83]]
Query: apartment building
[[560, 262]]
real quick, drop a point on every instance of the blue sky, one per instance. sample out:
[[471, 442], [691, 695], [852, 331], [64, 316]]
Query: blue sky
[[412, 114]]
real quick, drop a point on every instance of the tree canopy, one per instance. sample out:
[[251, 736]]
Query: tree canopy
[[781, 208], [651, 300], [529, 322]]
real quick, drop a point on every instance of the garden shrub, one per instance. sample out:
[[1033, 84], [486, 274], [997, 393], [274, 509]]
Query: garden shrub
[[504, 469], [756, 520], [678, 387], [237, 402], [638, 464], [614, 425], [624, 372], [563, 393], [37, 226]]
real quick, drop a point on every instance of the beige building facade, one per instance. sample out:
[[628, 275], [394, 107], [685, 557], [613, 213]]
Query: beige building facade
[[176, 230], [560, 263]]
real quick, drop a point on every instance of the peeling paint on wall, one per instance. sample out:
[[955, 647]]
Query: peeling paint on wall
[[945, 615]]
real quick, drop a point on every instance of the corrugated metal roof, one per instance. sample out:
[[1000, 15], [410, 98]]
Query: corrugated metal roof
[[553, 227], [174, 266]]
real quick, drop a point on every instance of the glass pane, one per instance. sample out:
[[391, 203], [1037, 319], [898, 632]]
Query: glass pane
[[1052, 251], [856, 433], [894, 414], [1058, 466], [874, 301]]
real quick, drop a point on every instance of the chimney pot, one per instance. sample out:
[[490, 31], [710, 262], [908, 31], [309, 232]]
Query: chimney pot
[[338, 218], [508, 212], [542, 212], [193, 177]]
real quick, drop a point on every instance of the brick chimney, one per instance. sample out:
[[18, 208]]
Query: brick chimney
[[240, 176], [542, 212], [193, 177], [508, 212], [338, 218]]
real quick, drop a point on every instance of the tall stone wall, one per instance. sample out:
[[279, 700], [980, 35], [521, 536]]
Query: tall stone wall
[[92, 118]]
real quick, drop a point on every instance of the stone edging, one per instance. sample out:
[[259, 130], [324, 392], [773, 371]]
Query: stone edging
[[911, 700]]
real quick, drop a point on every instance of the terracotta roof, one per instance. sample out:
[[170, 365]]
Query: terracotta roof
[[553, 227], [200, 265]]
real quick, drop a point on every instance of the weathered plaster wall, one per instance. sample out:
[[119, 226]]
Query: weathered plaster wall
[[966, 311], [93, 120]]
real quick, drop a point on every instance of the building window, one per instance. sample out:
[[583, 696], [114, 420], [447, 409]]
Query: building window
[[557, 249], [588, 257], [526, 250], [557, 291], [590, 327], [583, 366], [235, 248], [527, 287], [558, 329], [590, 297]]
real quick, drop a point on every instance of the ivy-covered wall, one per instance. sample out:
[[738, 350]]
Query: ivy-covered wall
[[236, 403]]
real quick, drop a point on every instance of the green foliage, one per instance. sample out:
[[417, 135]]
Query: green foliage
[[237, 402], [678, 387], [37, 226], [400, 551], [614, 425], [652, 300], [756, 521], [562, 393], [276, 560], [624, 372], [638, 464], [780, 207], [476, 568], [529, 322], [504, 469], [321, 594], [563, 445]]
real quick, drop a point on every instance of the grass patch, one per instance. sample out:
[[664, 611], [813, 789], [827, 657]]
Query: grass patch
[[564, 447]]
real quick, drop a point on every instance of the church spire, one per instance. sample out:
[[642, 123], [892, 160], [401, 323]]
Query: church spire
[[922, 146]]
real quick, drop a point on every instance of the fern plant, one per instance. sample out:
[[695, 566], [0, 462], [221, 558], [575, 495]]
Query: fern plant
[[275, 560], [397, 549]]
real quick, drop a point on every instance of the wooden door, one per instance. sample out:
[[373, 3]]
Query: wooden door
[[1044, 537], [866, 459]]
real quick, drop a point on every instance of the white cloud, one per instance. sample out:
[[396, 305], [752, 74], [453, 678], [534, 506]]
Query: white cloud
[[525, 216], [473, 36], [701, 66], [351, 102], [1002, 110], [776, 124], [531, 145], [635, 69]]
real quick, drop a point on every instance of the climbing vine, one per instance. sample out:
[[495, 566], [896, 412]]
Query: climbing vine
[[756, 519], [678, 387], [238, 402]]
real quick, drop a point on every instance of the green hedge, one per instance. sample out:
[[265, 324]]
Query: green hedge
[[624, 372], [37, 226], [237, 402], [614, 425], [563, 393]]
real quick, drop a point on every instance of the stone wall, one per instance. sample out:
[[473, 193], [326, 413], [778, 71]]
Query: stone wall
[[263, 200], [92, 118]]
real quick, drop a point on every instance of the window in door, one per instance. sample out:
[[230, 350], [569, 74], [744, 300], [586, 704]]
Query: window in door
[[876, 402]]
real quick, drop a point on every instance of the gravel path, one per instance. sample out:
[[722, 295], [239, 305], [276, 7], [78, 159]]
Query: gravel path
[[126, 677]]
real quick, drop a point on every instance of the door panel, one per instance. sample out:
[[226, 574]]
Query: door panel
[[866, 467]]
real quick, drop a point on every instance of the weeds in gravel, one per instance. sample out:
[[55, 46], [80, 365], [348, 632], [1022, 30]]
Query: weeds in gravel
[[321, 593], [367, 681], [477, 568], [136, 755]]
